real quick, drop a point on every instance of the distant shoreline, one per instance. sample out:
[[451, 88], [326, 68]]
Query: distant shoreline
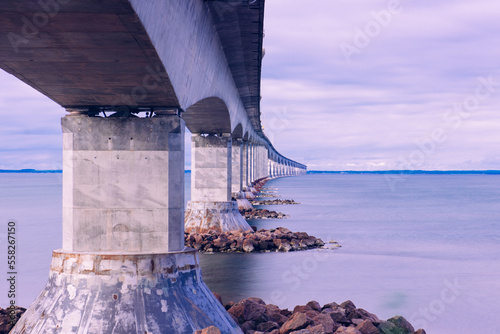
[[484, 172]]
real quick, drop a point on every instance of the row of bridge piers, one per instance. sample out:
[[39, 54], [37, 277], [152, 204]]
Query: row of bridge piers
[[123, 266]]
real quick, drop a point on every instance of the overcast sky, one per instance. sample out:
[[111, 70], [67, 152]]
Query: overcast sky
[[347, 85]]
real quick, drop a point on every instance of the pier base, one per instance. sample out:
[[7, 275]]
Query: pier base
[[220, 217], [125, 294]]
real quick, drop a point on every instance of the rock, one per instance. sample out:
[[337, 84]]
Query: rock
[[248, 245], [210, 330], [420, 331], [348, 306], [302, 331], [248, 326], [402, 324], [314, 305], [326, 322], [297, 321], [318, 329], [333, 306], [338, 316], [367, 327], [5, 319], [285, 246], [305, 309], [363, 314], [267, 326], [254, 228], [238, 312], [347, 330], [274, 314], [387, 327]]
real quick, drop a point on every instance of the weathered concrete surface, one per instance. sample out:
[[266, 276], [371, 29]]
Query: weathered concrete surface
[[211, 168], [123, 187], [203, 217], [237, 166], [125, 294]]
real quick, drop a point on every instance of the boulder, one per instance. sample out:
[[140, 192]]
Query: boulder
[[248, 245], [420, 331], [314, 305], [348, 306], [367, 327], [326, 322], [347, 330], [338, 316], [402, 324], [267, 326], [210, 330], [296, 322]]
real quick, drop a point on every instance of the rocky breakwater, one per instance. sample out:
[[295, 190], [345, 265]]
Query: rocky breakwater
[[273, 202], [255, 317], [262, 214], [274, 240]]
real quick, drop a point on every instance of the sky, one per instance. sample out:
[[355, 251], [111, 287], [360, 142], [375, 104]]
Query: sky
[[346, 85]]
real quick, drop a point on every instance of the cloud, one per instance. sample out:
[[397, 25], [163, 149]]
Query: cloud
[[370, 111]]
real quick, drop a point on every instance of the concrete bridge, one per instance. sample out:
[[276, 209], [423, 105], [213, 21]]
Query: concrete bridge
[[132, 74]]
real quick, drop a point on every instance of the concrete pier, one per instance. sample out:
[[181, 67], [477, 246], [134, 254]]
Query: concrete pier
[[211, 207], [123, 267]]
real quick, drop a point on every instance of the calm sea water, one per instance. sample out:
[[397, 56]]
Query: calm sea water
[[428, 249]]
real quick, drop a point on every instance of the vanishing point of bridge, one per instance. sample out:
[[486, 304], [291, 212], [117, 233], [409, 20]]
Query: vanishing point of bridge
[[132, 74]]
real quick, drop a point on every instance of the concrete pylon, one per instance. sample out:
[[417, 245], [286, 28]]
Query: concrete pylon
[[211, 207], [123, 268]]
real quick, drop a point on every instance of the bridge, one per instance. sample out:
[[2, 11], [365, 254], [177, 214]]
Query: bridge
[[132, 74]]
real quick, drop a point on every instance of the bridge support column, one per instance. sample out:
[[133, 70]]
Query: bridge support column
[[123, 267], [211, 207], [238, 163]]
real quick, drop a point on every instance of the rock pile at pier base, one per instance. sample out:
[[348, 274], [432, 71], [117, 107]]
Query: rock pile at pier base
[[275, 240], [255, 317]]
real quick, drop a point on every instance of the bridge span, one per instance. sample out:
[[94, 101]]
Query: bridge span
[[132, 74]]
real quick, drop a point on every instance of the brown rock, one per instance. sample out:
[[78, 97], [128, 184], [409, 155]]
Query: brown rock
[[248, 245], [347, 330], [274, 314], [210, 330], [238, 312], [318, 329], [297, 321], [326, 322], [367, 327], [314, 305], [306, 309], [338, 316], [248, 326], [348, 306], [333, 306], [363, 314], [420, 331], [267, 326], [302, 331]]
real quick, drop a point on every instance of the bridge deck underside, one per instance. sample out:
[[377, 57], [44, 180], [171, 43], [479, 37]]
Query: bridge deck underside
[[85, 53]]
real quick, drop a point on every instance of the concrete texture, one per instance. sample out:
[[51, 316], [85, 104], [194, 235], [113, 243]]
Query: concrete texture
[[237, 166], [211, 168], [123, 186], [220, 217], [125, 294]]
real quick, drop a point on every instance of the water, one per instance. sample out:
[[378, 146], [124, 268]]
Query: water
[[427, 250]]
